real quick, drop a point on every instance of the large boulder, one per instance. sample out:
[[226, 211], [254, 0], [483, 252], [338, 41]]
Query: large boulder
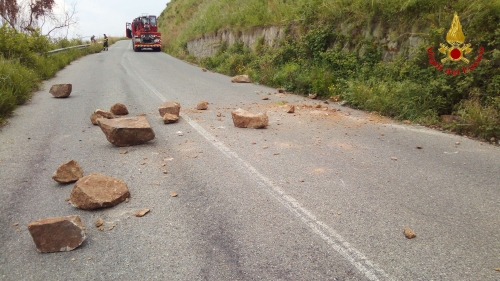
[[68, 172], [61, 90], [171, 107], [127, 131], [241, 79], [98, 191], [100, 113], [119, 109], [59, 234], [245, 119]]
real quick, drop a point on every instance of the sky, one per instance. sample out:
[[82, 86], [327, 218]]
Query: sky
[[96, 17]]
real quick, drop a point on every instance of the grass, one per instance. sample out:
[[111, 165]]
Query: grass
[[310, 59]]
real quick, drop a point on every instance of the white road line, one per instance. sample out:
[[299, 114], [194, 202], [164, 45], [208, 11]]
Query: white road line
[[328, 234]]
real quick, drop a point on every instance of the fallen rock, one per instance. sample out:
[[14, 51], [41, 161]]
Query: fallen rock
[[58, 234], [281, 90], [68, 172], [245, 119], [127, 131], [409, 233], [290, 109], [173, 194], [265, 98], [98, 191], [171, 107], [141, 213], [61, 90], [170, 118], [204, 69], [100, 113], [99, 222], [202, 105], [119, 109], [241, 79], [313, 96]]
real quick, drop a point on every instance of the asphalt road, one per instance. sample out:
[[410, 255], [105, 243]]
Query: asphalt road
[[322, 194]]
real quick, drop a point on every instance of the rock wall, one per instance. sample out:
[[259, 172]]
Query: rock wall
[[393, 41], [207, 45]]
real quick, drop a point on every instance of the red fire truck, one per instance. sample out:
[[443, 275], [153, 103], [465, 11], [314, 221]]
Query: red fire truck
[[144, 33]]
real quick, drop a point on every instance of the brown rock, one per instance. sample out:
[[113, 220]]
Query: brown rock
[[290, 108], [245, 119], [171, 107], [241, 79], [59, 234], [265, 98], [202, 105], [100, 113], [204, 69], [448, 119], [119, 109], [313, 96], [68, 172], [127, 131], [98, 191], [99, 222], [61, 90], [281, 90], [409, 233], [170, 118], [141, 213]]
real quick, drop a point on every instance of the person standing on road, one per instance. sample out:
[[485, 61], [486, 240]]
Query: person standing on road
[[105, 44], [92, 39]]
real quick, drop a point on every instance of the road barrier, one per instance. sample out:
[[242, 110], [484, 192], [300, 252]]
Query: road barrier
[[68, 48]]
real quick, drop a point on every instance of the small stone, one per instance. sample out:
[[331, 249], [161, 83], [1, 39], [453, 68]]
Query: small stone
[[171, 107], [276, 153], [265, 147], [58, 234], [101, 228], [119, 109], [124, 152], [241, 79], [394, 158], [409, 233], [111, 227], [99, 222], [173, 194], [202, 105], [68, 172], [265, 98], [419, 147], [61, 90], [457, 143], [127, 200], [15, 224], [281, 90], [318, 106], [313, 96], [204, 69], [290, 109], [165, 171], [73, 259], [497, 269], [170, 118], [141, 213]]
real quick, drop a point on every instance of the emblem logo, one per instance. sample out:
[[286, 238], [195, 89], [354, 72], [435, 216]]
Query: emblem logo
[[455, 38], [455, 51]]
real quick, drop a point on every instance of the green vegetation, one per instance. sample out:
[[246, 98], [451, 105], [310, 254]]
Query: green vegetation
[[325, 52], [24, 63]]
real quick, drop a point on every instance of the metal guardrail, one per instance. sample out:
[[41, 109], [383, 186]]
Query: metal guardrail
[[68, 48]]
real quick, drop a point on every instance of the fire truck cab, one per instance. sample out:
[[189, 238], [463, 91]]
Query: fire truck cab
[[144, 33]]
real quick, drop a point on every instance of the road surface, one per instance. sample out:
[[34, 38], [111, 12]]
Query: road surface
[[321, 194]]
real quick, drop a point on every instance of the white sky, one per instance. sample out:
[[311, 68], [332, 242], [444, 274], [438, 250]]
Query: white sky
[[96, 17]]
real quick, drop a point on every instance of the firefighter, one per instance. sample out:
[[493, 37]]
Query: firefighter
[[105, 44]]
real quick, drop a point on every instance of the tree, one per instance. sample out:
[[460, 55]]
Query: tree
[[28, 15]]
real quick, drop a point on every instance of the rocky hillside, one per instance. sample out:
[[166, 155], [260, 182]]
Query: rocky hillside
[[380, 55]]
